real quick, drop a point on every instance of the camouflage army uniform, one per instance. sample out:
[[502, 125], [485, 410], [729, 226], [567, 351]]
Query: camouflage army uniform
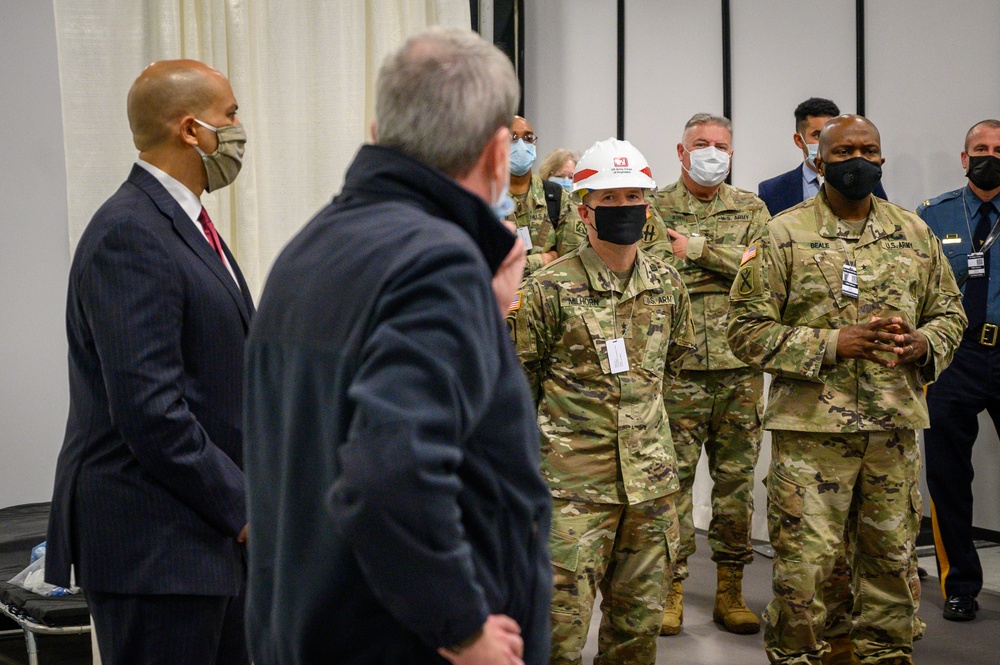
[[534, 214], [571, 232], [844, 434], [716, 399], [606, 451]]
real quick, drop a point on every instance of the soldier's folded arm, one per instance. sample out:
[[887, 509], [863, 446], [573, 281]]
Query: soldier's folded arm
[[724, 259]]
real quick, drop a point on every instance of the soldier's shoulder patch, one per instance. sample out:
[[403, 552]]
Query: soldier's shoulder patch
[[515, 304], [748, 282], [749, 253]]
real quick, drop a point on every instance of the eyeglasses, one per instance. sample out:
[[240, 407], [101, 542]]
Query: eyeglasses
[[527, 138]]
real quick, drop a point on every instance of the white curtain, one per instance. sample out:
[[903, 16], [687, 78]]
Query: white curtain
[[303, 74]]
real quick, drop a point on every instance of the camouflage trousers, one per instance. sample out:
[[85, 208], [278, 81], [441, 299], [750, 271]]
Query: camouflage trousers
[[625, 550], [821, 486], [717, 409], [838, 592]]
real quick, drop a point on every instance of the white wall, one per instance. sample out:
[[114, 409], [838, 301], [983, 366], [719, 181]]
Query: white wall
[[34, 255], [932, 71]]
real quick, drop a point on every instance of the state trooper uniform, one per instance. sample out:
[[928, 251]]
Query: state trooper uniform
[[969, 385], [598, 353]]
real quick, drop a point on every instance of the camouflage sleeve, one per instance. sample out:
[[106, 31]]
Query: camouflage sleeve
[[526, 322], [682, 339], [540, 246], [725, 259], [570, 231], [532, 263], [756, 333], [942, 318]]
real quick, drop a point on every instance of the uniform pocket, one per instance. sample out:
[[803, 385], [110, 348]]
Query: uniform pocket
[[785, 502], [565, 552], [599, 342], [655, 354]]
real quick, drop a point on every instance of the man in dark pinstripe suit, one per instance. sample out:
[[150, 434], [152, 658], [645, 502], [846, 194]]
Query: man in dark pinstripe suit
[[149, 504]]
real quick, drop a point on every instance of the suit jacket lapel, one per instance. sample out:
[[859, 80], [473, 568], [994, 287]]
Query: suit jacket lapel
[[194, 239]]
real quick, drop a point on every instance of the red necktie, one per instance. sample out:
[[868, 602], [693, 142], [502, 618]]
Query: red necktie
[[213, 235]]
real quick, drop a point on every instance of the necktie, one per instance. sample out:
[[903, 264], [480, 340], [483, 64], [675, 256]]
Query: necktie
[[977, 290], [213, 235]]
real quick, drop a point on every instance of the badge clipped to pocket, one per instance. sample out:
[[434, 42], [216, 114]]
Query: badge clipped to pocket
[[977, 265], [849, 281], [617, 356], [525, 235]]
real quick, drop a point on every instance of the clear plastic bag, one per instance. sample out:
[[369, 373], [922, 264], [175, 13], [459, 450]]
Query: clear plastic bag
[[32, 578]]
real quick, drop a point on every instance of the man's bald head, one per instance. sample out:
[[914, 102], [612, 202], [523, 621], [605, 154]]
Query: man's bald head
[[847, 127], [166, 91]]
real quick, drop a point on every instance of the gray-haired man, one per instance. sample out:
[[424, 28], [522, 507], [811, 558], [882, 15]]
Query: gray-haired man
[[398, 512]]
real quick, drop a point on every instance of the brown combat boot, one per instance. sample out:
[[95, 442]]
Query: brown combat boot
[[730, 609], [673, 610], [841, 652]]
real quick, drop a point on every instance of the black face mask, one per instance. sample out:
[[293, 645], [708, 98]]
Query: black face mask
[[855, 178], [984, 171], [620, 225]]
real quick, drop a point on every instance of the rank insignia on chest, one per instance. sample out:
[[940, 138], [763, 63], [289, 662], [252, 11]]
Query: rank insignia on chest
[[749, 253], [515, 304]]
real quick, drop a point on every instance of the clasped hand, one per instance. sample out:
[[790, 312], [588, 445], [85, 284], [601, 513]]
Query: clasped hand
[[882, 336]]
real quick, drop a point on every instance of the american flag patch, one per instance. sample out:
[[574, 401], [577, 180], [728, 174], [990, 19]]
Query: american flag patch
[[750, 252], [515, 304]]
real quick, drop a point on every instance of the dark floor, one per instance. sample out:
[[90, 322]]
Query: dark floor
[[702, 642]]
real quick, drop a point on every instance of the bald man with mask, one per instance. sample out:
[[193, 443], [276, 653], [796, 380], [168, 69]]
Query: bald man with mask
[[848, 302], [149, 506]]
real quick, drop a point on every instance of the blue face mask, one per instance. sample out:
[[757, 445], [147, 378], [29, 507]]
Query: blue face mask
[[564, 181], [504, 205], [522, 157]]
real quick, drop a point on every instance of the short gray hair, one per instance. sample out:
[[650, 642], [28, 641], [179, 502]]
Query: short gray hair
[[709, 119], [442, 96]]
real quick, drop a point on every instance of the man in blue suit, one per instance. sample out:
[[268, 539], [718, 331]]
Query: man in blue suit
[[792, 188], [149, 503]]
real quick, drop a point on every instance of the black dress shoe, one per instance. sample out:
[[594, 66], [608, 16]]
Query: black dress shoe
[[960, 608]]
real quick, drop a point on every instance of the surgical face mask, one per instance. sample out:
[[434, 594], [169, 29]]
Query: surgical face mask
[[855, 178], [984, 171], [503, 205], [563, 181], [619, 225], [223, 165], [813, 149], [709, 166], [522, 157]]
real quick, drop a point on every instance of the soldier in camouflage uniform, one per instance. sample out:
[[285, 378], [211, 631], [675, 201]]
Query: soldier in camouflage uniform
[[848, 301], [701, 227], [600, 331], [530, 215]]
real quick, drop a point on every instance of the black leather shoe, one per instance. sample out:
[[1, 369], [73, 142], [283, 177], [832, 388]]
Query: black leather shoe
[[960, 608]]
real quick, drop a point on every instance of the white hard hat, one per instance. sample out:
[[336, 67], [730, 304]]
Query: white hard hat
[[611, 164]]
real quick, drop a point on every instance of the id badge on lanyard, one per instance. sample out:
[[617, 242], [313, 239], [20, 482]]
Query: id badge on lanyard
[[849, 281], [977, 265]]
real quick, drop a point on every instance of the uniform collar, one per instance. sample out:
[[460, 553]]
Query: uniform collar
[[877, 225], [686, 202], [600, 277]]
